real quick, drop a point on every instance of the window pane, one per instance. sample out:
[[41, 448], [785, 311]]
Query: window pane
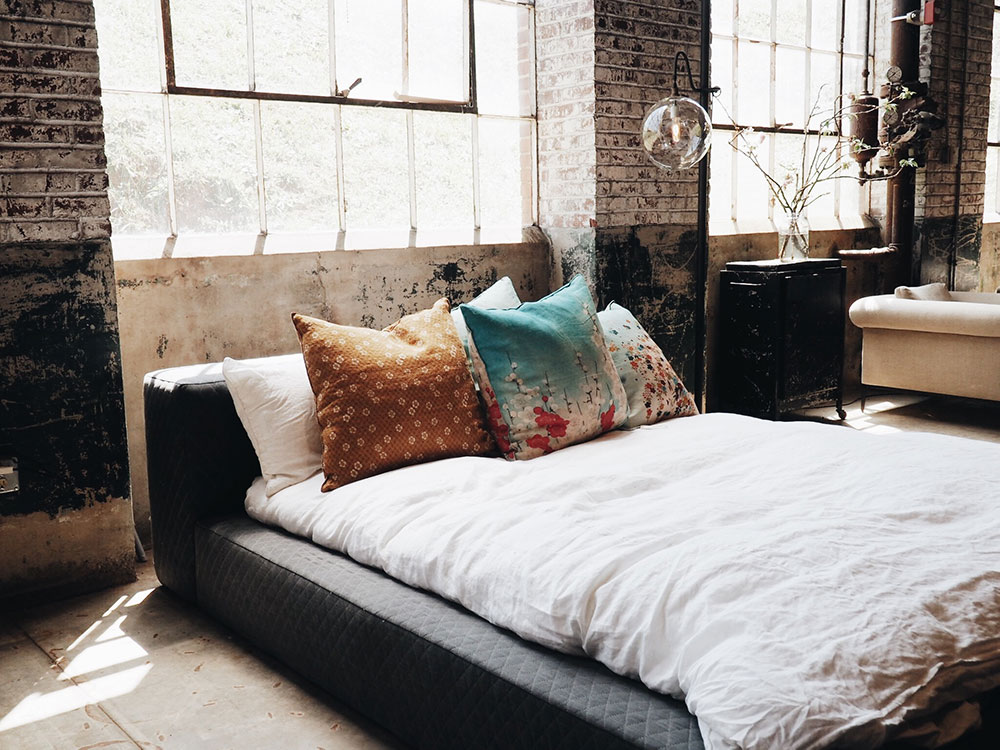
[[791, 26], [994, 119], [722, 72], [720, 182], [754, 71], [376, 175], [137, 163], [129, 52], [855, 27], [992, 203], [443, 144], [823, 85], [370, 47], [292, 46], [854, 82], [752, 195], [755, 20], [504, 169], [210, 49], [825, 28], [503, 59], [789, 87], [215, 168], [722, 16], [300, 166], [438, 60]]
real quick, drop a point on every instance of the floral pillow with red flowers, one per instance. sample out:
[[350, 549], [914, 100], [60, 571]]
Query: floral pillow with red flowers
[[545, 372], [654, 391]]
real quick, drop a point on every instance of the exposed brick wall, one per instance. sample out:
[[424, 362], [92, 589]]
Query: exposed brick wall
[[564, 61], [60, 363], [949, 70], [53, 181], [636, 42], [955, 61]]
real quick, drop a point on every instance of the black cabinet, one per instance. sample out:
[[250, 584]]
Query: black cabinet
[[781, 335]]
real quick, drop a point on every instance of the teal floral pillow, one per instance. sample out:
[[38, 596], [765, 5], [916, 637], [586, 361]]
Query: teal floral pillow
[[654, 391], [545, 372]]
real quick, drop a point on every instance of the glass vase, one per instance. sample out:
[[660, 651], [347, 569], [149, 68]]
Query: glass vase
[[793, 237]]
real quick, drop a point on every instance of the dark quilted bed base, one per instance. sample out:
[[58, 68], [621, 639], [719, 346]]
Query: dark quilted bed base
[[423, 668]]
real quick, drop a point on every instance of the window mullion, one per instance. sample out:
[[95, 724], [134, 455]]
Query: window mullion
[[411, 169], [338, 141], [735, 103], [840, 94], [171, 193], [257, 129], [772, 97], [477, 215], [167, 143], [338, 135]]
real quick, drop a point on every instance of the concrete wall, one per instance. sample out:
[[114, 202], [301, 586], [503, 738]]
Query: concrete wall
[[178, 311], [69, 527]]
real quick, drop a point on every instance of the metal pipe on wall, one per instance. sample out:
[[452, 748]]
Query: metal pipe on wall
[[904, 53]]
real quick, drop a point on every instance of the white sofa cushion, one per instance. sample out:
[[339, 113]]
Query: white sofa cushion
[[969, 314], [936, 291]]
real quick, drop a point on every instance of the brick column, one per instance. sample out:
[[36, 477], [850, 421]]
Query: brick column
[[610, 214], [69, 527], [955, 61]]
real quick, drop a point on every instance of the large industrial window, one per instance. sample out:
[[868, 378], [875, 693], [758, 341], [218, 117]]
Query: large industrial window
[[992, 202], [773, 60], [271, 125]]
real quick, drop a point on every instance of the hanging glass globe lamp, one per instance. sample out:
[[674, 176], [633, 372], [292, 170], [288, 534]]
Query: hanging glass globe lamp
[[676, 132]]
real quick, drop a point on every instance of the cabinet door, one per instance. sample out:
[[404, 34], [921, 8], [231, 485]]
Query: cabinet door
[[811, 340], [749, 338]]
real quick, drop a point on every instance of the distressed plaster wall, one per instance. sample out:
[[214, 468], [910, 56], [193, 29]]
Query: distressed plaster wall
[[179, 311], [69, 527], [989, 259]]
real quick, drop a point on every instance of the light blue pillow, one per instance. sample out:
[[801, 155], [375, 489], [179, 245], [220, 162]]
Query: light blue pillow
[[545, 372], [654, 391]]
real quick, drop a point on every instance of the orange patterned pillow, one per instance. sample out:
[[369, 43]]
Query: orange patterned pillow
[[390, 398]]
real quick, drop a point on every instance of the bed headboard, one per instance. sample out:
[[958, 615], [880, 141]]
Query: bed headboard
[[200, 463]]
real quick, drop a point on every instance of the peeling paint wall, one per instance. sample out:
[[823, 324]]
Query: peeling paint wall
[[179, 311], [69, 528], [62, 416]]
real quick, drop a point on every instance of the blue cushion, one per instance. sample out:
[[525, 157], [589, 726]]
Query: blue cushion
[[545, 372]]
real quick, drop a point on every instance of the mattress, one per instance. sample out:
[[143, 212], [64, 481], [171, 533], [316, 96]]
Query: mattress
[[727, 560], [421, 667]]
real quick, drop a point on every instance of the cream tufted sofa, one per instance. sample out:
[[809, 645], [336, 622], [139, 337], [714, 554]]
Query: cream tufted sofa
[[950, 347]]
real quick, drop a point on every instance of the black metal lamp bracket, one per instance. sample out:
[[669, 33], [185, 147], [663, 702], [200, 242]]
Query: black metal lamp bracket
[[680, 57]]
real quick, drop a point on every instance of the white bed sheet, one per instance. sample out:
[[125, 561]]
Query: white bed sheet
[[797, 584]]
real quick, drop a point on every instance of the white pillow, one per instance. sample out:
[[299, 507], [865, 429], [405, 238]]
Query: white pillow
[[277, 407], [936, 291], [500, 296]]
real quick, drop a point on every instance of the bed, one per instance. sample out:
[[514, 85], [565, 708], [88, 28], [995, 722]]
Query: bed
[[833, 568]]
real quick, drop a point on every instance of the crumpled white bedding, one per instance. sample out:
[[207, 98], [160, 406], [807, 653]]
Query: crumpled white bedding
[[799, 585]]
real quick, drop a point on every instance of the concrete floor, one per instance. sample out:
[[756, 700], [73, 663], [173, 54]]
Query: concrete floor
[[134, 667]]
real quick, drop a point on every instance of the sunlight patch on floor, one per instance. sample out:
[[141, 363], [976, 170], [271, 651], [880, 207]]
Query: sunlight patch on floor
[[41, 706]]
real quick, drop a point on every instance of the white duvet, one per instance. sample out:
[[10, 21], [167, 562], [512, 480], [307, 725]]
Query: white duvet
[[798, 585]]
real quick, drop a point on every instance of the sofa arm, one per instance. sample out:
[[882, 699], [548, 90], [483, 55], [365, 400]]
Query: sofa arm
[[931, 316], [200, 463]]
